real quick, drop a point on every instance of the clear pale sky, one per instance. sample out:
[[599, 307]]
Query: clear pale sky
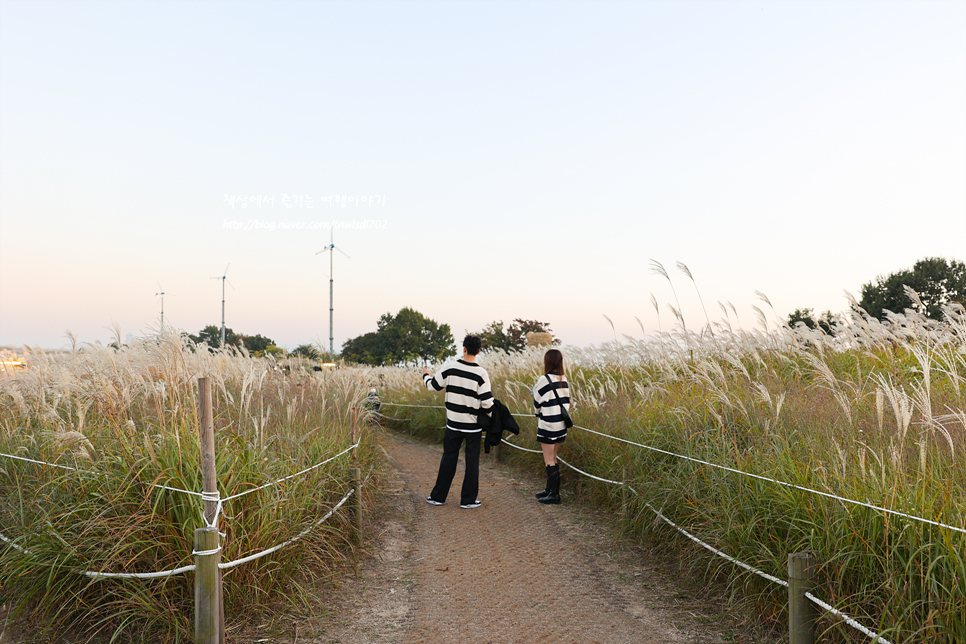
[[529, 159]]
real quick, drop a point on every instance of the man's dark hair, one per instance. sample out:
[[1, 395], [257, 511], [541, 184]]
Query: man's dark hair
[[472, 344]]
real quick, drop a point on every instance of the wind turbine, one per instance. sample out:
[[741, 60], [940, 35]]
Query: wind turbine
[[161, 293], [223, 278], [331, 249]]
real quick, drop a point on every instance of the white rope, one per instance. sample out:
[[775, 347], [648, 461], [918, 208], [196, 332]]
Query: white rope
[[205, 553], [308, 469], [715, 550], [848, 620], [199, 553], [596, 478], [11, 543], [385, 417], [522, 449], [30, 460], [74, 469], [422, 406], [120, 575], [140, 575], [268, 551], [213, 497], [791, 485]]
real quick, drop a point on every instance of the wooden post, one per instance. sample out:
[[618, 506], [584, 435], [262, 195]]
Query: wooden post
[[625, 498], [207, 606], [801, 611], [208, 585], [356, 516], [354, 434], [496, 451]]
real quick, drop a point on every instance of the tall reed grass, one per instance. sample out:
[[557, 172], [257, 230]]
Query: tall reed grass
[[874, 413], [128, 419]]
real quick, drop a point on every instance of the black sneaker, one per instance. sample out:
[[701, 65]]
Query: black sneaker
[[474, 504], [430, 500]]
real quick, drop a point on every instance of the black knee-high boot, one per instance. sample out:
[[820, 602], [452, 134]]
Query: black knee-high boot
[[546, 490], [554, 483]]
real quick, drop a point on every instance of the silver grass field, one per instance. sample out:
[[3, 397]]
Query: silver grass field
[[874, 414], [128, 420]]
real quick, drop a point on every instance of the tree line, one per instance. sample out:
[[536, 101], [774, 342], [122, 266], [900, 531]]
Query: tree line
[[936, 281], [411, 338]]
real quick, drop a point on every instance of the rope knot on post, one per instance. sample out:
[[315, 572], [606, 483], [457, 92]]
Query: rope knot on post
[[212, 497]]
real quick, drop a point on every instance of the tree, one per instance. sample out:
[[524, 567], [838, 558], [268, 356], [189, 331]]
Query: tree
[[514, 338], [211, 335], [826, 321], [519, 329], [256, 345], [935, 280], [494, 337], [306, 351], [365, 349], [407, 337]]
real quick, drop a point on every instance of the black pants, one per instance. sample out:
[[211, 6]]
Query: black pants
[[447, 466]]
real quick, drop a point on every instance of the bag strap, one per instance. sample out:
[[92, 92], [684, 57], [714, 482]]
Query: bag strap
[[554, 390]]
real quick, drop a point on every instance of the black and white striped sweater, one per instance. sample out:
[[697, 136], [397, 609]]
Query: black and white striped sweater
[[467, 388], [547, 405]]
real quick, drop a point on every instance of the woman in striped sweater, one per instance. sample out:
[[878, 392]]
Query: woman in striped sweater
[[550, 394]]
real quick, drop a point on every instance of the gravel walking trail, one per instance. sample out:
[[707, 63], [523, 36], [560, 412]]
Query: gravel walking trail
[[510, 571]]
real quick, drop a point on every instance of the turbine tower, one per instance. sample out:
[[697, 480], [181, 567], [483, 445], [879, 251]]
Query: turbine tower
[[331, 250], [223, 278], [161, 293]]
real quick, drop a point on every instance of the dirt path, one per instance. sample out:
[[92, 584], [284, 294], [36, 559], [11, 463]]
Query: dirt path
[[510, 571]]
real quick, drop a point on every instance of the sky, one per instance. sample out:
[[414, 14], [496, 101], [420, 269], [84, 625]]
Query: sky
[[476, 161]]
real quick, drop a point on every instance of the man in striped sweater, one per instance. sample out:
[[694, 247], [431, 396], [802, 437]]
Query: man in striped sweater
[[467, 388]]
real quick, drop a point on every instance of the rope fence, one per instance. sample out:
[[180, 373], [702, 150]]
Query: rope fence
[[735, 471], [184, 569], [75, 469], [209, 609], [876, 638], [848, 620]]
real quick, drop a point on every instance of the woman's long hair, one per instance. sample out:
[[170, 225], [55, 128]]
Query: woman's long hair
[[553, 362]]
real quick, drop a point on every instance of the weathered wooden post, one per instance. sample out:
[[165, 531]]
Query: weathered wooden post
[[625, 498], [355, 433], [356, 474], [207, 606], [496, 451], [357, 505], [801, 611], [209, 611]]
